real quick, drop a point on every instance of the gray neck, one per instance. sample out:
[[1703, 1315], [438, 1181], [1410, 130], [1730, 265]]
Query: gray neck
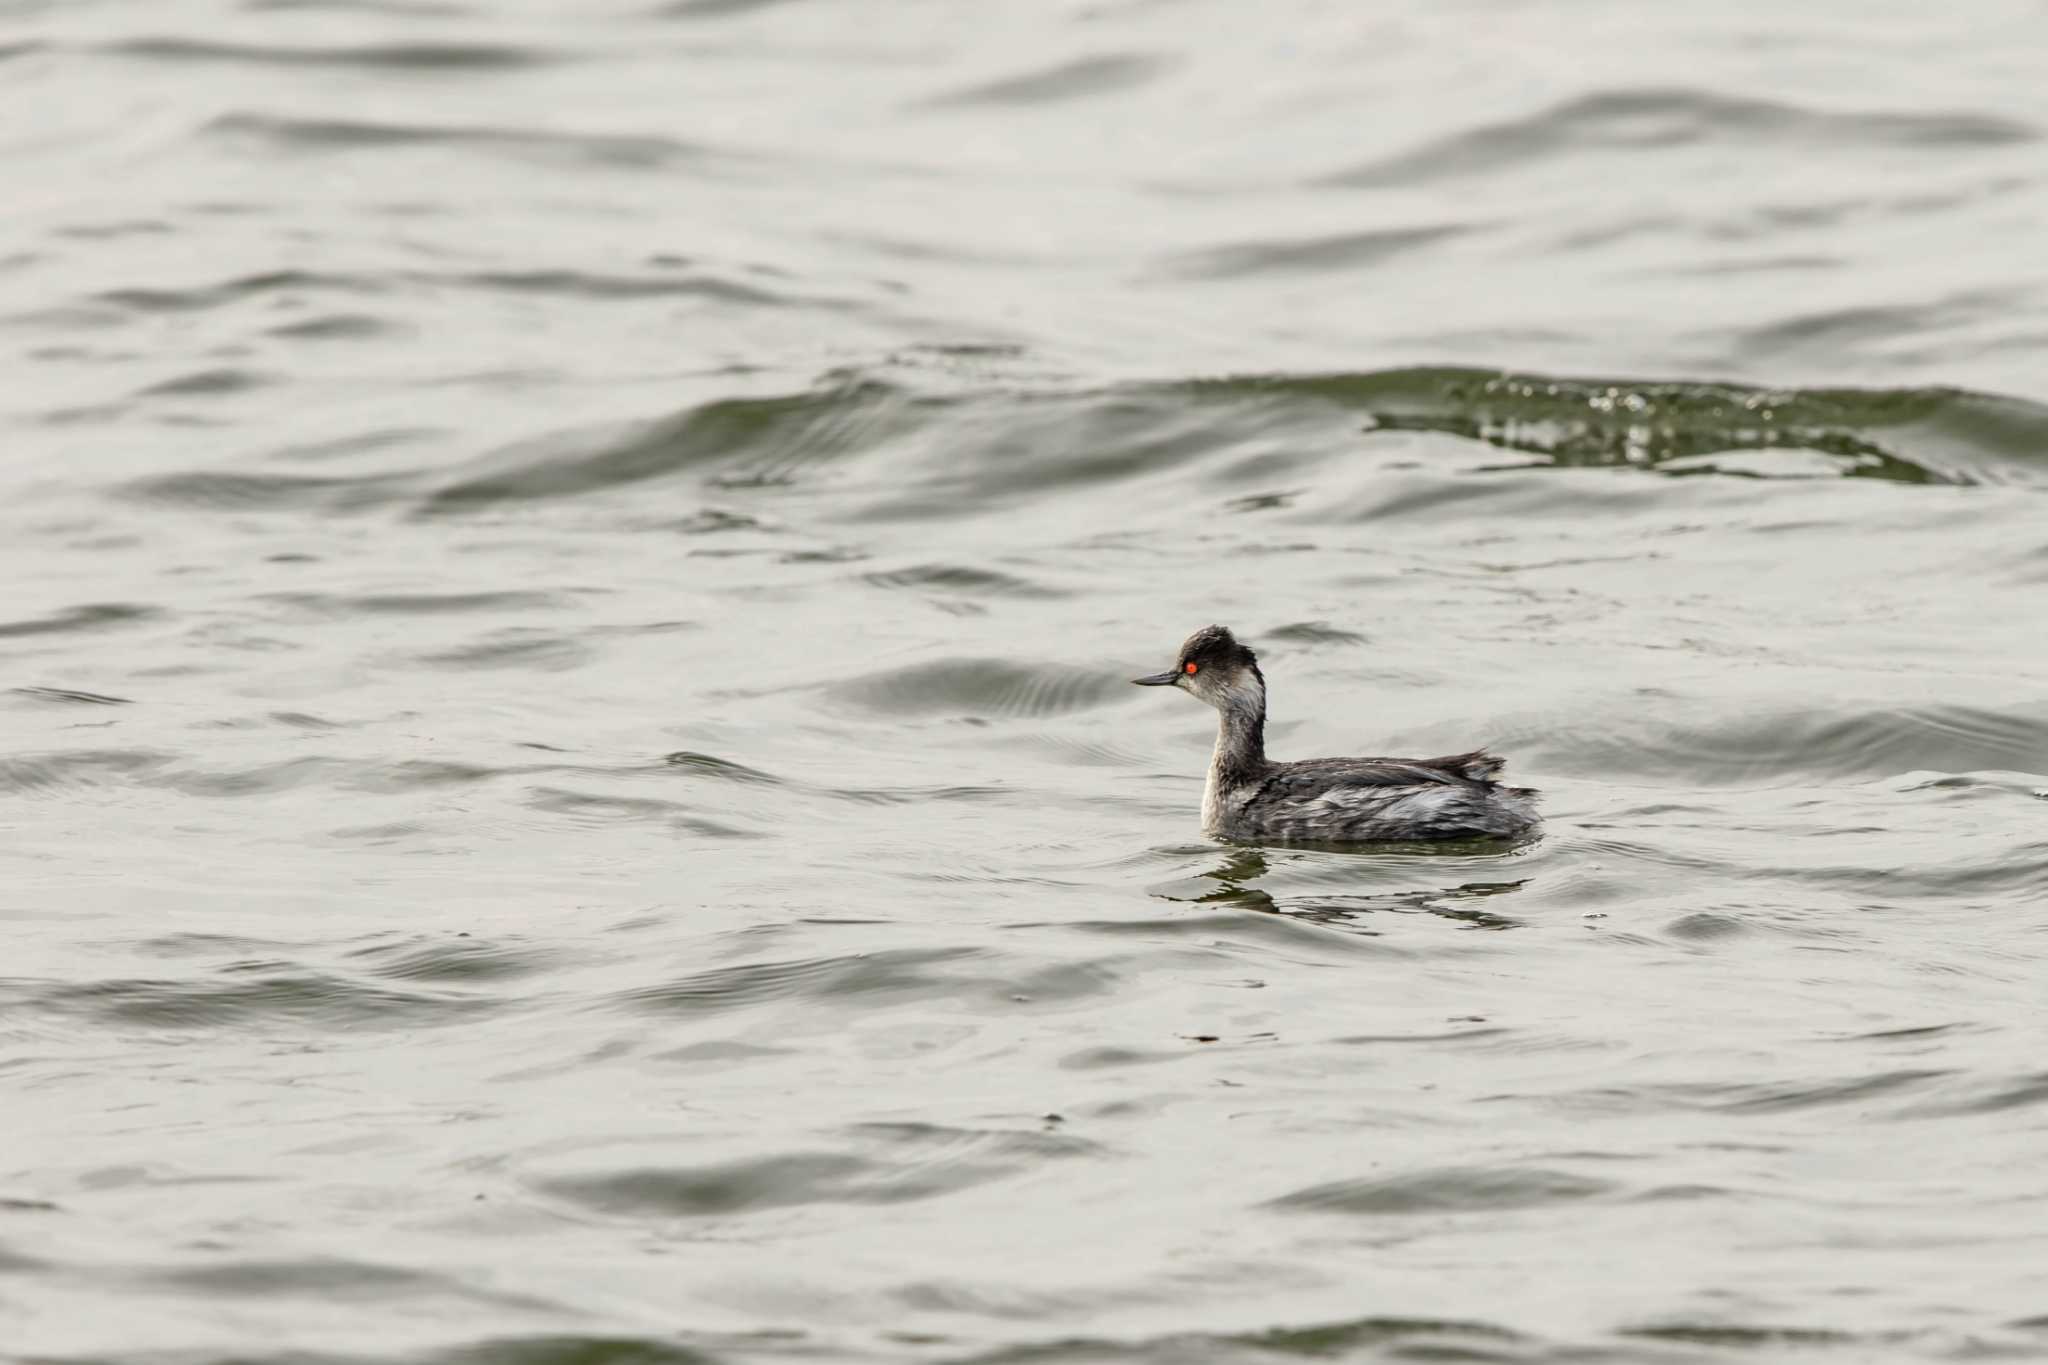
[[1241, 736]]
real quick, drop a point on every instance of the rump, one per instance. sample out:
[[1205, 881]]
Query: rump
[[1478, 765]]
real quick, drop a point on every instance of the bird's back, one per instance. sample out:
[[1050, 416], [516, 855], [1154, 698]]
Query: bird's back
[[1347, 799]]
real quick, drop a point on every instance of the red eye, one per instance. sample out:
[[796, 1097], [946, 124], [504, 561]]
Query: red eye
[[1191, 668]]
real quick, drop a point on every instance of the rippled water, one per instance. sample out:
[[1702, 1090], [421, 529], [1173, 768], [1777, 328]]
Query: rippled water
[[570, 793]]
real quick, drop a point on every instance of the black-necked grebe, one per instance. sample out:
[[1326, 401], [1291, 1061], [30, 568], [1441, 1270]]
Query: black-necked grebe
[[1329, 800]]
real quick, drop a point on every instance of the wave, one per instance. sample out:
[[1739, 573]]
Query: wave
[[903, 1163], [1082, 78], [609, 151], [756, 441], [243, 996], [1301, 255], [896, 454], [94, 616], [400, 56], [1446, 1190], [980, 687], [1673, 117], [1825, 741]]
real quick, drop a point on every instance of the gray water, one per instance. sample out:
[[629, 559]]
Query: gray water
[[570, 797]]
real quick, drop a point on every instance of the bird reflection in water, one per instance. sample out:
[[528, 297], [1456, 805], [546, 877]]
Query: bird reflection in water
[[1236, 885]]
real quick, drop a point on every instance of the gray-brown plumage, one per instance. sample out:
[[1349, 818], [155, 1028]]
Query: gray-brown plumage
[[1329, 800]]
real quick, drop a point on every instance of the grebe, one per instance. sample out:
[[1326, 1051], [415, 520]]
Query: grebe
[[1328, 800]]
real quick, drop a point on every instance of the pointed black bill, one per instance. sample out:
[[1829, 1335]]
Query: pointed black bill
[[1166, 679]]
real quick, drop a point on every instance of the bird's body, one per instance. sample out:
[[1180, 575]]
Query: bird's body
[[1368, 799], [1329, 800]]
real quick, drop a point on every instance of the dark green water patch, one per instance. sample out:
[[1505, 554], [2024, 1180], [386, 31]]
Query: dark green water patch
[[1923, 436]]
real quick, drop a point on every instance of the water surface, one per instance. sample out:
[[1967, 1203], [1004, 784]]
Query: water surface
[[569, 786]]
